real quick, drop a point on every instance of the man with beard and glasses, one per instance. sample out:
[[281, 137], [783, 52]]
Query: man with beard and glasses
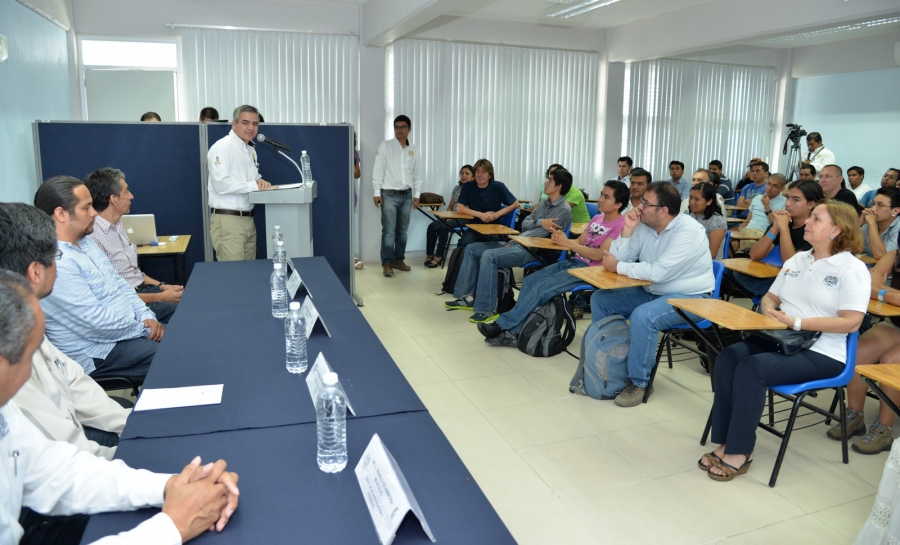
[[93, 315]]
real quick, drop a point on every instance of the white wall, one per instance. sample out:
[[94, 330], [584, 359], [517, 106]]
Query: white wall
[[859, 55], [34, 84], [858, 115]]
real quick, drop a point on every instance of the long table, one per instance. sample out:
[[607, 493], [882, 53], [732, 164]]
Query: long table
[[223, 332]]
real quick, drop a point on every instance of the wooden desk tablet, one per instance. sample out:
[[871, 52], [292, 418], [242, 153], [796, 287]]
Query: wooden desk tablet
[[884, 374], [736, 207], [884, 310], [751, 268], [599, 277], [491, 229], [175, 250], [578, 228], [434, 205], [451, 215], [538, 243], [725, 314], [734, 220], [868, 260], [744, 235]]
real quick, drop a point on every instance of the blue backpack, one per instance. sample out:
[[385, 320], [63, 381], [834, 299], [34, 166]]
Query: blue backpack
[[602, 367]]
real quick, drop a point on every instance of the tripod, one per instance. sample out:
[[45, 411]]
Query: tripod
[[794, 159]]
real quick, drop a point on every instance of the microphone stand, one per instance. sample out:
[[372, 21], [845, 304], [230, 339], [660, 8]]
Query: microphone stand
[[294, 163]]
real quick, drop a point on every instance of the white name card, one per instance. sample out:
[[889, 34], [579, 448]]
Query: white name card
[[299, 281], [315, 382], [187, 396], [386, 492], [311, 317], [293, 284]]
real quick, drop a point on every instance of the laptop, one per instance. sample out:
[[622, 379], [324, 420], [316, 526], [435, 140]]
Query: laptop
[[141, 228]]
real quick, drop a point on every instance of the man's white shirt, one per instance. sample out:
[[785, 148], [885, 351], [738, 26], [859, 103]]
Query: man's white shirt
[[821, 157], [397, 168], [233, 171]]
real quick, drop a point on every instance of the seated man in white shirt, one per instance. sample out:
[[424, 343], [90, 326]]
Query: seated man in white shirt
[[57, 479], [112, 200], [761, 208], [62, 401]]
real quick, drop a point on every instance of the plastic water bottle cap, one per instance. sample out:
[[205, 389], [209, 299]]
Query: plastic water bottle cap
[[278, 266], [278, 227], [303, 152], [294, 305], [330, 379], [280, 243]]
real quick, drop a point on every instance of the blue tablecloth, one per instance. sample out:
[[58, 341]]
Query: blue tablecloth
[[286, 499], [223, 333]]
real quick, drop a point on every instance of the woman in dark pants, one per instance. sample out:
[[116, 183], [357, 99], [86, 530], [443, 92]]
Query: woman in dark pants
[[438, 233], [824, 289]]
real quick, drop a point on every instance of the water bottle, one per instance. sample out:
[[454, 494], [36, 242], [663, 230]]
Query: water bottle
[[331, 424], [295, 340], [307, 170], [278, 283], [276, 236], [280, 255]]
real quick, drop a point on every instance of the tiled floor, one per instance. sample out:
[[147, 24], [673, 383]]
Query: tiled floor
[[565, 469]]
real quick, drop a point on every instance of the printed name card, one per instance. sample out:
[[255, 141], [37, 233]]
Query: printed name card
[[315, 382], [294, 282], [386, 492], [311, 317]]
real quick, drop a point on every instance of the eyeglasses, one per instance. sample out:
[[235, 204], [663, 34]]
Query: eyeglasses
[[645, 203], [881, 205], [401, 128], [58, 255]]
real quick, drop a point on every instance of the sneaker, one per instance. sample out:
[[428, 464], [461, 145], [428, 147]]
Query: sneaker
[[856, 425], [463, 303], [505, 338], [401, 266], [489, 330], [480, 317], [631, 396], [387, 269], [876, 440]]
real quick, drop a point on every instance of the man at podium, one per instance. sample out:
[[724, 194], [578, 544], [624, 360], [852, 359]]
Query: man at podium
[[233, 174]]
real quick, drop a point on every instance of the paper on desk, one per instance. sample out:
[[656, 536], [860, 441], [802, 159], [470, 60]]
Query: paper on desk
[[287, 186], [188, 396]]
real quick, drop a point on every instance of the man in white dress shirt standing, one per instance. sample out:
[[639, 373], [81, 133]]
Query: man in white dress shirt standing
[[397, 182], [818, 156], [233, 174]]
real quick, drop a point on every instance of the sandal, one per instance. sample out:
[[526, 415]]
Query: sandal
[[358, 265], [711, 457], [428, 260], [434, 263], [729, 472]]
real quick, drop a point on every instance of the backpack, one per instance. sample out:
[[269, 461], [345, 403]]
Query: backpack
[[506, 299], [602, 367], [453, 266], [548, 330]]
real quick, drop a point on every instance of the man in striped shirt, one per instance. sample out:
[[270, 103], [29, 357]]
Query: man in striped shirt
[[111, 201], [93, 315]]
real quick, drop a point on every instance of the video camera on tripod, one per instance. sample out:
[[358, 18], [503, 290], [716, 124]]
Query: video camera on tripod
[[794, 156]]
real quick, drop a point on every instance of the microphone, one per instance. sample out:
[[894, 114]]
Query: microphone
[[274, 143]]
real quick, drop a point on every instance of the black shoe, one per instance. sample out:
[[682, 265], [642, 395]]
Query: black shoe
[[505, 338], [489, 330]]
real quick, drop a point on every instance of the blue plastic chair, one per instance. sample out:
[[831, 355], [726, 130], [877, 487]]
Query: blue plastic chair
[[795, 394], [667, 341], [592, 209]]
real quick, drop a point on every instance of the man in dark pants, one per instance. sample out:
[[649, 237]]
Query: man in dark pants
[[397, 181]]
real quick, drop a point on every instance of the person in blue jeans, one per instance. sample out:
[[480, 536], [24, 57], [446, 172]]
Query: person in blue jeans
[[659, 245], [476, 284], [397, 181], [540, 287]]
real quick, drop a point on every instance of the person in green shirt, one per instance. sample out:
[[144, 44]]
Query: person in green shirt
[[574, 197]]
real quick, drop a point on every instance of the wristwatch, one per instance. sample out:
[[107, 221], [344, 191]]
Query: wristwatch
[[796, 324]]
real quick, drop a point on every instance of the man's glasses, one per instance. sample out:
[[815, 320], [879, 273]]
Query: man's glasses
[[645, 203], [401, 128], [882, 205], [58, 255]]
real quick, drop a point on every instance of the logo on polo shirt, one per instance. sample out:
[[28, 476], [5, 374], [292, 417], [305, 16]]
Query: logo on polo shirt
[[792, 274], [4, 427], [831, 281], [61, 365]]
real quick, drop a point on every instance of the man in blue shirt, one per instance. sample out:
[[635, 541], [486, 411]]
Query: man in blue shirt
[[676, 171], [93, 315], [726, 189], [759, 175]]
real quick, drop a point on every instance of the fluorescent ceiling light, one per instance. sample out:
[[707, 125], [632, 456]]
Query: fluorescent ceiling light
[[832, 30], [579, 8]]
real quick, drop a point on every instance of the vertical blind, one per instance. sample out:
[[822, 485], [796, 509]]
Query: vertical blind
[[696, 112], [523, 109], [291, 77]]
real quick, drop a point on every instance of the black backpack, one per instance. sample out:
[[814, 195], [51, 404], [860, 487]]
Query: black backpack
[[506, 298], [548, 330], [453, 265]]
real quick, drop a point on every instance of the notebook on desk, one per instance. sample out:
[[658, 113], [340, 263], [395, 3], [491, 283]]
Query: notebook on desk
[[141, 228]]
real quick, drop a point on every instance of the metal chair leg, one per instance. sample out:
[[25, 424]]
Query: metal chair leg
[[707, 429], [840, 394], [787, 437]]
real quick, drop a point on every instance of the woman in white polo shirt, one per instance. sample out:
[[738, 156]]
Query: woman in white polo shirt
[[824, 289]]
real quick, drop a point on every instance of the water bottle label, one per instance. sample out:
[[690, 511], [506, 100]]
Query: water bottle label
[[315, 382], [386, 491], [311, 317]]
